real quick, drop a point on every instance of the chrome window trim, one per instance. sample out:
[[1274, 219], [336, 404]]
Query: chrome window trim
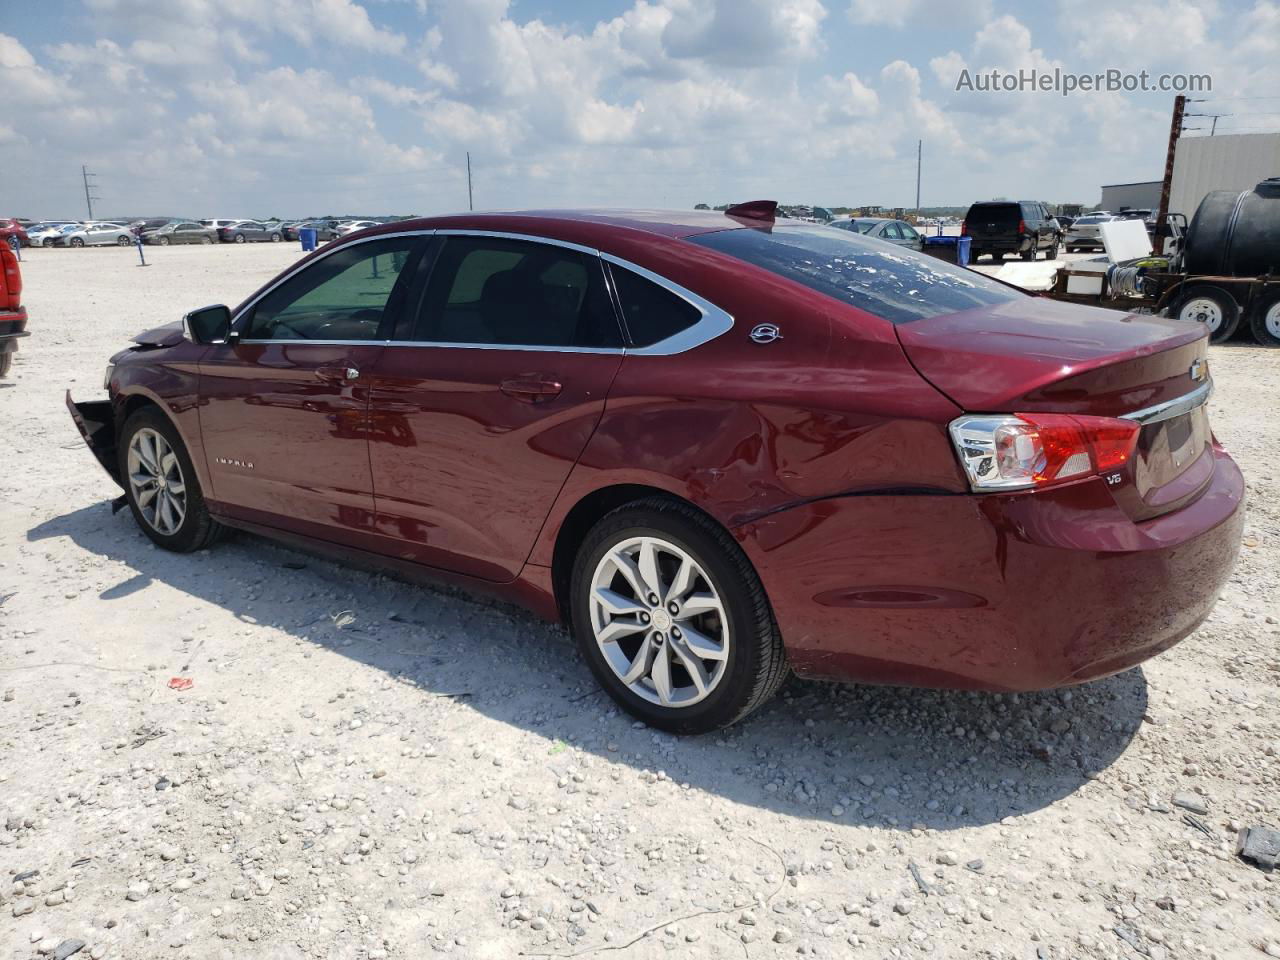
[[1172, 408], [714, 322]]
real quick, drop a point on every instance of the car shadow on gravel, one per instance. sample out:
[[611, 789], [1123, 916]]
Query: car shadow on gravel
[[888, 757]]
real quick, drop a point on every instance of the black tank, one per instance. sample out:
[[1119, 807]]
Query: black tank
[[1236, 234]]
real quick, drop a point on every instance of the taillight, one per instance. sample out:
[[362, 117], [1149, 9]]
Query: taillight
[[1040, 449], [964, 228], [12, 288], [1022, 226]]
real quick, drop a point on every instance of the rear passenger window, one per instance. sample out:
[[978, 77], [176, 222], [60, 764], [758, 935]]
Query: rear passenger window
[[652, 313], [518, 293]]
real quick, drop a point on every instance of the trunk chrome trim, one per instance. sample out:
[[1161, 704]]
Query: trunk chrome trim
[[1172, 408]]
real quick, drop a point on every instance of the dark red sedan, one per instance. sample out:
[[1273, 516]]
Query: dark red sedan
[[719, 445]]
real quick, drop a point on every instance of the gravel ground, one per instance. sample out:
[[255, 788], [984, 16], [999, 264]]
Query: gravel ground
[[365, 768]]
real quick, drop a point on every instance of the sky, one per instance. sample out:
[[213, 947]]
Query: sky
[[230, 108]]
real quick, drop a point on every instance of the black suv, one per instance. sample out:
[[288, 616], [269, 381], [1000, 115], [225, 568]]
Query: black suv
[[1023, 227]]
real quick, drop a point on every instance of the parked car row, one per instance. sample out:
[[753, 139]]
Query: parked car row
[[163, 231]]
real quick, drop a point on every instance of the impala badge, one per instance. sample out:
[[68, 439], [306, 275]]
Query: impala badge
[[765, 333], [1199, 370]]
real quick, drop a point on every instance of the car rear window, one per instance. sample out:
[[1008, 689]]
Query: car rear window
[[995, 212], [889, 281]]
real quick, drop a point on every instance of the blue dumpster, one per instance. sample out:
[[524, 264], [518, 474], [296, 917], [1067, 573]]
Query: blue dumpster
[[308, 237], [951, 249]]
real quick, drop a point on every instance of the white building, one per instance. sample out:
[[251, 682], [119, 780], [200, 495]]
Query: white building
[[1229, 162], [1136, 196]]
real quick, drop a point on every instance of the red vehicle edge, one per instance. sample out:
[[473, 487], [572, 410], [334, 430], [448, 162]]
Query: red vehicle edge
[[13, 316]]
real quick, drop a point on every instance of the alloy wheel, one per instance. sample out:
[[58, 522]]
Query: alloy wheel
[[156, 481], [1202, 310], [659, 622]]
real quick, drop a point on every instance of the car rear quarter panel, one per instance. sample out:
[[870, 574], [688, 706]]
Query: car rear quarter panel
[[743, 429]]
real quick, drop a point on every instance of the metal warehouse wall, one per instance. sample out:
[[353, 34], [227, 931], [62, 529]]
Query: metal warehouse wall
[[1230, 162], [1139, 196]]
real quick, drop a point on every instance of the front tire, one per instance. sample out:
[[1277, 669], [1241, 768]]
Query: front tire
[[77, 241], [123, 241], [672, 619], [276, 238], [161, 486], [163, 241], [1212, 306]]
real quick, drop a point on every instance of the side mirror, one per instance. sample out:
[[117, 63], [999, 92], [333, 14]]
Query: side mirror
[[208, 324]]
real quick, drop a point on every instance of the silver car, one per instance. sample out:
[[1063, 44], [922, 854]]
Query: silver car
[[43, 234], [895, 231], [1085, 232], [96, 234]]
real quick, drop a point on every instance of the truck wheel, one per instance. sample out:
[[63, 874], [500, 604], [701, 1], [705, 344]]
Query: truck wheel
[[1213, 307], [1029, 254], [1053, 252], [1265, 320]]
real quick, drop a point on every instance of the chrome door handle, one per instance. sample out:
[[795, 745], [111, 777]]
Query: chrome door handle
[[338, 372]]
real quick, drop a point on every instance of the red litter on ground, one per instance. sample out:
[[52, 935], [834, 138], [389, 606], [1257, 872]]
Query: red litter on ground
[[181, 683]]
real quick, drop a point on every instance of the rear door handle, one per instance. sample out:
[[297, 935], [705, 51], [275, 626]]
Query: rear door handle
[[531, 389], [338, 372]]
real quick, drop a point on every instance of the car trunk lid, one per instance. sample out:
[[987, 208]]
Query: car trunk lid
[[1035, 355]]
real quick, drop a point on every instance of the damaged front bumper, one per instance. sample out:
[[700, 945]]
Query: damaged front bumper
[[96, 422]]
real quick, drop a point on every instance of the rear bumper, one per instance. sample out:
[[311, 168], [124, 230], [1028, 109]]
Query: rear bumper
[[13, 327], [1002, 244], [96, 422], [1010, 592]]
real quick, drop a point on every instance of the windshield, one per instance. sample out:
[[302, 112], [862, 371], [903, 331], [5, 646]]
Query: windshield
[[888, 281]]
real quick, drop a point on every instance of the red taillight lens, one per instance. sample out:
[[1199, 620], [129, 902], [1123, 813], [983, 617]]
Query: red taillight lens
[[1040, 449], [964, 229], [1022, 226], [12, 287]]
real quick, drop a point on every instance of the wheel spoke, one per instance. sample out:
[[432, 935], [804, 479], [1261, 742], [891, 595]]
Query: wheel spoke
[[617, 629], [640, 665], [660, 673], [697, 672], [649, 568], [700, 644], [683, 581], [615, 602], [169, 463], [144, 488], [177, 487], [701, 603], [630, 572]]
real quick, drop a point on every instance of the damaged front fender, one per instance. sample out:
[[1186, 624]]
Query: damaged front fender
[[96, 422]]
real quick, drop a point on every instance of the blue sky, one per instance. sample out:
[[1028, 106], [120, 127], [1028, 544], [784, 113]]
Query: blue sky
[[244, 108]]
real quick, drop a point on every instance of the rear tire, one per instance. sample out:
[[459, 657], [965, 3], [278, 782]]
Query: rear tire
[[206, 240], [1029, 254], [1264, 320], [1053, 252], [163, 241], [123, 241], [737, 655], [77, 241], [1212, 306], [184, 525], [239, 238]]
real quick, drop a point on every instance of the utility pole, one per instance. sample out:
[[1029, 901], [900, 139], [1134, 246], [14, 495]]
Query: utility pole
[[88, 197], [1175, 131], [470, 203], [919, 154]]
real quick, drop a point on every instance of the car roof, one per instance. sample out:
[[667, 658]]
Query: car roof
[[560, 224]]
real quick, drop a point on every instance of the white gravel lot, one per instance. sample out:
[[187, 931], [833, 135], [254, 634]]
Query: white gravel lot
[[439, 774]]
